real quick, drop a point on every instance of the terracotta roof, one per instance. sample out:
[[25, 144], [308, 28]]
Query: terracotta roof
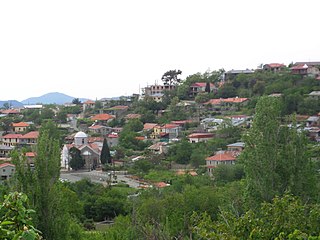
[[275, 65], [10, 111], [161, 184], [95, 139], [133, 115], [6, 165], [148, 126], [12, 135], [201, 135], [113, 135], [181, 122], [201, 84], [119, 107], [227, 100], [30, 154], [222, 156], [140, 138], [235, 100], [89, 102], [33, 134], [102, 117], [300, 67], [20, 124], [169, 126], [318, 78], [97, 127]]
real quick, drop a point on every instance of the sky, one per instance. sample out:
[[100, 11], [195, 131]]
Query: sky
[[103, 48]]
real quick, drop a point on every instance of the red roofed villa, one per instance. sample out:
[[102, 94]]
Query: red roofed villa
[[200, 137], [20, 126], [221, 157], [102, 117]]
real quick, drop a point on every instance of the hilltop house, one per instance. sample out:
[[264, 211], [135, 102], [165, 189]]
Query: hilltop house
[[19, 127], [221, 157], [306, 68], [200, 137], [200, 87], [274, 67]]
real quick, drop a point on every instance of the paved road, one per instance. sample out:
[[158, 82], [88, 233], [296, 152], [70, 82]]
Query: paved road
[[100, 177]]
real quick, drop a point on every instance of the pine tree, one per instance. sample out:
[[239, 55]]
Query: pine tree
[[105, 156]]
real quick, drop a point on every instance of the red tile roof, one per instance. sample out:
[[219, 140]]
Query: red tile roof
[[300, 67], [275, 65], [201, 135], [6, 165], [95, 139], [161, 185], [33, 135], [201, 84], [149, 126], [227, 100], [133, 115], [113, 135], [30, 154], [140, 138], [12, 135], [222, 156], [102, 117], [96, 127], [10, 111], [20, 124], [119, 107], [89, 102], [169, 126], [181, 122]]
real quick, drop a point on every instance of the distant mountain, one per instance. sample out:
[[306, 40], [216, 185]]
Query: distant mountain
[[11, 103], [51, 98]]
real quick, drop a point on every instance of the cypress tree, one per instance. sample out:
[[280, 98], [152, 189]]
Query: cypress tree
[[105, 156]]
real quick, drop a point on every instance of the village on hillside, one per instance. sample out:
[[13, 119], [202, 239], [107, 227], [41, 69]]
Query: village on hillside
[[186, 126]]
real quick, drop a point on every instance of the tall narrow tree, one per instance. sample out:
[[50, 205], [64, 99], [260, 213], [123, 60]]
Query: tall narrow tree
[[45, 193], [275, 156], [105, 156]]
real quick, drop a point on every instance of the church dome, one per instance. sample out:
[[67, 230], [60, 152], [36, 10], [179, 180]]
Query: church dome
[[80, 135]]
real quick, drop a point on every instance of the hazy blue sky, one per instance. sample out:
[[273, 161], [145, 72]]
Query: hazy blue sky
[[104, 48]]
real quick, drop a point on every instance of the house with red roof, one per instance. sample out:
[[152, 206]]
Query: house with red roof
[[11, 139], [200, 87], [149, 126], [19, 127], [200, 137], [89, 104], [29, 138], [221, 157], [100, 129], [225, 104], [169, 130], [274, 67], [306, 68], [6, 171], [103, 117]]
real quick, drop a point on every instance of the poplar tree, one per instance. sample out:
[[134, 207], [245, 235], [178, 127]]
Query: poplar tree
[[275, 156], [42, 185]]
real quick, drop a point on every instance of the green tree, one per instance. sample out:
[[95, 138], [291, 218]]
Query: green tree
[[77, 161], [105, 156], [171, 77], [15, 218], [76, 101], [275, 157], [42, 186]]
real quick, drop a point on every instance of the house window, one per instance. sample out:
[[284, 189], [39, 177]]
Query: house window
[[82, 140], [3, 170]]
